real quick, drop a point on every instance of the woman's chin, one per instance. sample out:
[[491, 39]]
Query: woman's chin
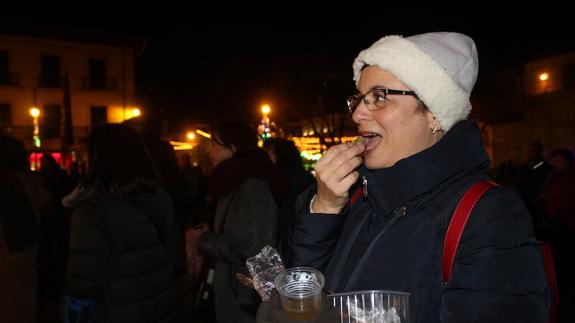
[[374, 160], [372, 163]]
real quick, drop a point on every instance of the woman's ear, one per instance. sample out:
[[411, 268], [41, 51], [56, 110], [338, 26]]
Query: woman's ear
[[434, 124]]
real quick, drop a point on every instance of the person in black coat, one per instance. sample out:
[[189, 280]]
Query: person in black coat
[[125, 249], [23, 200], [285, 156], [243, 188], [534, 174], [418, 156]]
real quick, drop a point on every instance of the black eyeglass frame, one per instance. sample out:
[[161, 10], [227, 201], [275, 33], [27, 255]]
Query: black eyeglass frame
[[354, 100]]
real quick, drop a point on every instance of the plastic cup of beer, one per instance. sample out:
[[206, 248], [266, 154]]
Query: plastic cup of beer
[[300, 292]]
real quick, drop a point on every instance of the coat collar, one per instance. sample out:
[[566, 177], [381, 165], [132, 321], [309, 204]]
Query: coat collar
[[459, 152]]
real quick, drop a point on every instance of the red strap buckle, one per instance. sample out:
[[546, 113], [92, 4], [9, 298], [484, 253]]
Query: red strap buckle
[[357, 194]]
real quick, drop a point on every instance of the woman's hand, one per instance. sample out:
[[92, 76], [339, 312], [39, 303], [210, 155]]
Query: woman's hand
[[245, 280], [335, 174], [194, 261]]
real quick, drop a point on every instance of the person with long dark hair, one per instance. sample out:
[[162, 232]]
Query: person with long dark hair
[[124, 250]]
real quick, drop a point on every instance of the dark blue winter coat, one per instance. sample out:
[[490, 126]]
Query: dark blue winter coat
[[124, 254], [393, 239]]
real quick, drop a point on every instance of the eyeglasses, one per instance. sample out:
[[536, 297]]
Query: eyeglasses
[[374, 99]]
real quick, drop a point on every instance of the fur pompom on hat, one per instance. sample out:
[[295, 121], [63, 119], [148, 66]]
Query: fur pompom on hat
[[440, 67]]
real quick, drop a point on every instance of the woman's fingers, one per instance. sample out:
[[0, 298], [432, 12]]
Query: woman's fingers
[[336, 167], [336, 173]]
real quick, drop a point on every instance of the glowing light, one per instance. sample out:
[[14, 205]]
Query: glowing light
[[544, 76], [35, 112], [266, 109], [191, 135], [203, 134], [176, 145], [313, 147], [310, 155], [136, 112]]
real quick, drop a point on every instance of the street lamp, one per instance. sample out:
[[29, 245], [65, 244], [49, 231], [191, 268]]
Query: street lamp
[[35, 113], [265, 131], [266, 110], [191, 135], [544, 78], [136, 112]]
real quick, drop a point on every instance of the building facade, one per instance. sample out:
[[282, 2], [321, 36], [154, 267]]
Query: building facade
[[547, 110], [40, 73]]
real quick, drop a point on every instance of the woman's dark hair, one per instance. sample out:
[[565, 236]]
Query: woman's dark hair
[[118, 161], [48, 163], [241, 135], [13, 155], [287, 155], [16, 213], [565, 153]]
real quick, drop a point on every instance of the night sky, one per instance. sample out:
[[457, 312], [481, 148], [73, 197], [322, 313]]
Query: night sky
[[201, 71]]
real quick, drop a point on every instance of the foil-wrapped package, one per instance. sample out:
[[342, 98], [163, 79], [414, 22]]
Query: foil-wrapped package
[[263, 268]]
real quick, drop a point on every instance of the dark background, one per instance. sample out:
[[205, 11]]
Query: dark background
[[220, 68]]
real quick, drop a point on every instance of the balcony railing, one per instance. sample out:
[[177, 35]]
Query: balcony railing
[[50, 81], [90, 83], [9, 79]]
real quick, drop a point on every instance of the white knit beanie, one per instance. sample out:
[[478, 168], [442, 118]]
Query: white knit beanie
[[440, 67]]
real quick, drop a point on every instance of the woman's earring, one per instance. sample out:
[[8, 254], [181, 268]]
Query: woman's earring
[[434, 129]]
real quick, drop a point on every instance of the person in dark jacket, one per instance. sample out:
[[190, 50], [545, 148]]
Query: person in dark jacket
[[534, 173], [559, 196], [53, 251], [23, 200], [124, 249], [418, 156], [243, 185], [285, 156]]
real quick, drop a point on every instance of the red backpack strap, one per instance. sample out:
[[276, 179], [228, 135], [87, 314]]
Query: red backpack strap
[[457, 224], [356, 195], [549, 264]]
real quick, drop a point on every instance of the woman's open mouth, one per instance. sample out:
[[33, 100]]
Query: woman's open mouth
[[370, 140]]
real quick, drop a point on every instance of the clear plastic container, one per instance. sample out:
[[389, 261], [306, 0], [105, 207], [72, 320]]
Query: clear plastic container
[[263, 268], [300, 292], [372, 306]]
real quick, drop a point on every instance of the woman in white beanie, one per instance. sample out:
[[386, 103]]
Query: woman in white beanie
[[379, 214]]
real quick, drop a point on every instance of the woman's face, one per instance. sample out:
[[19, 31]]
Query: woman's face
[[217, 153], [399, 130]]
